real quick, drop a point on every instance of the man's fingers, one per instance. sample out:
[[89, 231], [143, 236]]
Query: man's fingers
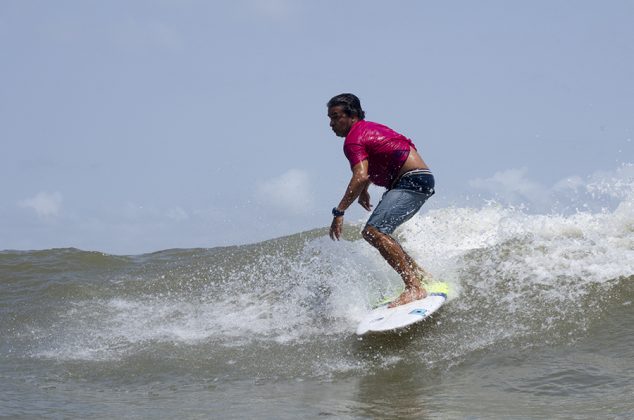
[[335, 233]]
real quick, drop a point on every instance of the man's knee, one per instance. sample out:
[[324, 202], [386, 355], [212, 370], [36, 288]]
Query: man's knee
[[367, 233], [371, 234]]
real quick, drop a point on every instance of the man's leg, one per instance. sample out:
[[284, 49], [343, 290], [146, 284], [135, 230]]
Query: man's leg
[[396, 256]]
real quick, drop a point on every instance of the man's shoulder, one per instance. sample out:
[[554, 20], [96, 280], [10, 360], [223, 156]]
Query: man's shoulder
[[360, 128], [365, 124], [366, 130]]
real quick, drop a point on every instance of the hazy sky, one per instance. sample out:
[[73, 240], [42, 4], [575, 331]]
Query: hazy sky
[[134, 126]]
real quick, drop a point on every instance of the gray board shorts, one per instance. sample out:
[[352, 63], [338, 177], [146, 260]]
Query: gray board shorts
[[402, 201]]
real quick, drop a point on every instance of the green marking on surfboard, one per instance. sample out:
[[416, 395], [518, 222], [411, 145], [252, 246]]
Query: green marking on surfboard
[[433, 288]]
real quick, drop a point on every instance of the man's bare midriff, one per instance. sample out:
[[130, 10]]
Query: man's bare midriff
[[414, 161]]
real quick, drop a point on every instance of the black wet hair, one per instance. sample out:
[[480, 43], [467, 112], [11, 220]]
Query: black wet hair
[[350, 103]]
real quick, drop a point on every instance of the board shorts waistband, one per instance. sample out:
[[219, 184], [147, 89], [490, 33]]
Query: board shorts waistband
[[416, 171], [419, 180]]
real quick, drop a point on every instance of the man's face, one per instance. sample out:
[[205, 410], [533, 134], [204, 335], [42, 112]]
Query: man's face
[[339, 121]]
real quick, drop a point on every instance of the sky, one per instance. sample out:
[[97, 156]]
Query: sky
[[135, 126]]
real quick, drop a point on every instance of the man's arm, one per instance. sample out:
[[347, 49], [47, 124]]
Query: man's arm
[[364, 198], [358, 186]]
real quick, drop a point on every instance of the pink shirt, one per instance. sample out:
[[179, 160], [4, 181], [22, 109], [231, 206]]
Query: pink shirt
[[385, 149]]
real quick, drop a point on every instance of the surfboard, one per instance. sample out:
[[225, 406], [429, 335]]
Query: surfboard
[[382, 318]]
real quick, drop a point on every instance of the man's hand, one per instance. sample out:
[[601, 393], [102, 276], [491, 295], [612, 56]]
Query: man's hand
[[336, 227], [364, 200]]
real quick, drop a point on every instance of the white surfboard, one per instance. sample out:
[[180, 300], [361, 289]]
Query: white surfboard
[[382, 318]]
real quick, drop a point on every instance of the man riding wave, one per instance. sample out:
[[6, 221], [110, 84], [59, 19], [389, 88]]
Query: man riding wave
[[381, 156]]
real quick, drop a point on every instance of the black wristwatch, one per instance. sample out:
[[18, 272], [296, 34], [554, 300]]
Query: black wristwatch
[[336, 212]]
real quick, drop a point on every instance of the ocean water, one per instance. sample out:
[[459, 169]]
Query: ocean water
[[538, 324]]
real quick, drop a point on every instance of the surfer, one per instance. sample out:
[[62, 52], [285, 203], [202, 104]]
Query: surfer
[[381, 156]]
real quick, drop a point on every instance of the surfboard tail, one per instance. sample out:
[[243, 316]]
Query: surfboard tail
[[384, 319]]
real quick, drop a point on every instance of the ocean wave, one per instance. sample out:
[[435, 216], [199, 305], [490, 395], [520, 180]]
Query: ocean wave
[[517, 279]]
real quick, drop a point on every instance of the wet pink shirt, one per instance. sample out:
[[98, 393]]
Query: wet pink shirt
[[385, 149]]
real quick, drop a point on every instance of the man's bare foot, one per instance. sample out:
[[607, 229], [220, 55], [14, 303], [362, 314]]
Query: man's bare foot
[[424, 276], [409, 295]]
